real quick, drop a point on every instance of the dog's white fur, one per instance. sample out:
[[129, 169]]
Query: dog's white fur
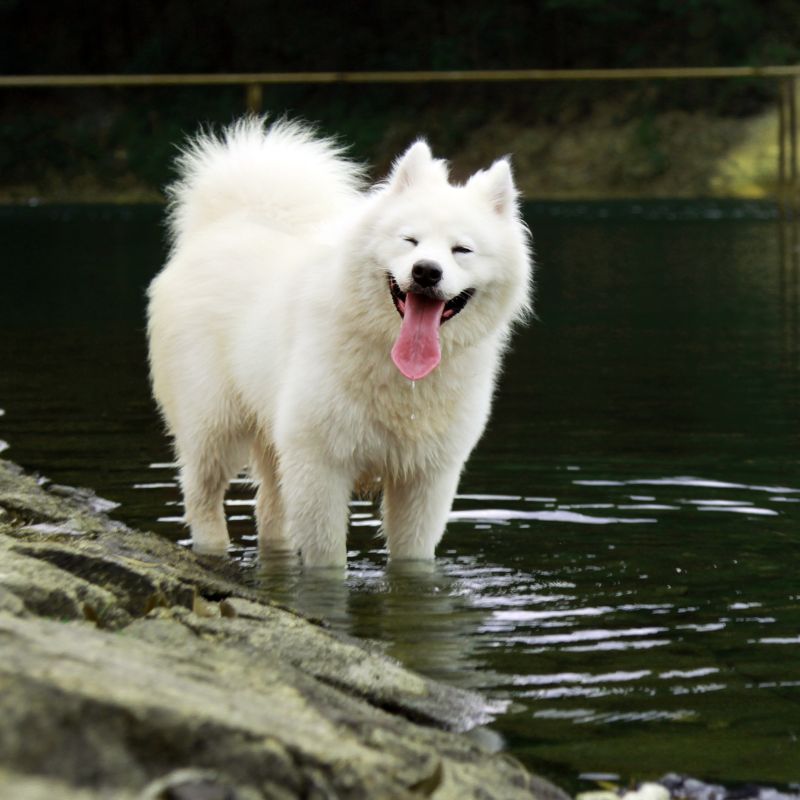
[[272, 323]]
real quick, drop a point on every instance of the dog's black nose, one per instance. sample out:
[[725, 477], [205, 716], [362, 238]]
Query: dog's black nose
[[426, 273]]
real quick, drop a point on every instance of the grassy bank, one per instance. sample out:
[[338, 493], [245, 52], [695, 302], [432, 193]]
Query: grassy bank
[[108, 146]]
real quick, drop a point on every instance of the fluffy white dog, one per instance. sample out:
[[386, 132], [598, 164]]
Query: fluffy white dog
[[330, 335]]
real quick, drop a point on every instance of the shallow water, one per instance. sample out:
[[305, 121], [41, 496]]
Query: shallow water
[[621, 562]]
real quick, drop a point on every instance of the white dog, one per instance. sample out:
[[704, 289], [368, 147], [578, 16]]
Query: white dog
[[330, 335]]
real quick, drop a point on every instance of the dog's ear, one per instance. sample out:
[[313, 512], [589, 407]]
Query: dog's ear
[[411, 166], [497, 186]]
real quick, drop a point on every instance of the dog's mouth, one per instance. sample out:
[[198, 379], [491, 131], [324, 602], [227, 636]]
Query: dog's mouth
[[451, 307], [417, 352]]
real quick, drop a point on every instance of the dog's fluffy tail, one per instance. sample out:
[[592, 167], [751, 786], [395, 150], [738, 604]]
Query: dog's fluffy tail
[[282, 174]]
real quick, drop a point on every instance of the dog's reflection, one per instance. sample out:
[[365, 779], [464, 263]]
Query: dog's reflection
[[412, 610]]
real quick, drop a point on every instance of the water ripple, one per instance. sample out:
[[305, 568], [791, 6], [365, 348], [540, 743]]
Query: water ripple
[[506, 514], [588, 603]]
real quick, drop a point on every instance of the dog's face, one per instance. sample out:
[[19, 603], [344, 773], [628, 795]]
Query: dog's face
[[448, 251]]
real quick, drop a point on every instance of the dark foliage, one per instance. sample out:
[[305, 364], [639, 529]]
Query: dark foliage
[[129, 135], [208, 35]]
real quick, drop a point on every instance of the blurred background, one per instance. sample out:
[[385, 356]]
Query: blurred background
[[676, 138]]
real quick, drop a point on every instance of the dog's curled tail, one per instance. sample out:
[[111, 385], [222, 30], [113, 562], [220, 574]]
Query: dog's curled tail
[[282, 174]]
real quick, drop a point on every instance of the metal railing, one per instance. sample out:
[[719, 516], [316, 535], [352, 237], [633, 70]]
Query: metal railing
[[787, 77]]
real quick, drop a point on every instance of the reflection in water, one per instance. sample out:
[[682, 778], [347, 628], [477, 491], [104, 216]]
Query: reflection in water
[[645, 622], [417, 610], [319, 594], [789, 286]]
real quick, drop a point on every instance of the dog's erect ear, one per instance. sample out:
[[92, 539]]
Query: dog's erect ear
[[497, 185], [410, 166]]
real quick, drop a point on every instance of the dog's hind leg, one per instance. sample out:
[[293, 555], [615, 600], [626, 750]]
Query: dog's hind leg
[[315, 495], [270, 517], [415, 511], [206, 470]]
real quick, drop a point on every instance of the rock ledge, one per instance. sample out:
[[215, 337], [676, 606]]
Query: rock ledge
[[132, 668]]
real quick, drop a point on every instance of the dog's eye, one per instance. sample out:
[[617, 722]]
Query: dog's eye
[[411, 240], [460, 248]]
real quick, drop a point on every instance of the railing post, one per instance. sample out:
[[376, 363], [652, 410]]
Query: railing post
[[792, 91], [254, 98], [781, 135], [788, 168]]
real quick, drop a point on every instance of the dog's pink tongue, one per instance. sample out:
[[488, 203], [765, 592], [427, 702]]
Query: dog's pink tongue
[[416, 352]]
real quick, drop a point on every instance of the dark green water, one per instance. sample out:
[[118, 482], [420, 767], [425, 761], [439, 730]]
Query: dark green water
[[622, 563]]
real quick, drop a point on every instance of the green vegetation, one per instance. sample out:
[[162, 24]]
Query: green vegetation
[[122, 141]]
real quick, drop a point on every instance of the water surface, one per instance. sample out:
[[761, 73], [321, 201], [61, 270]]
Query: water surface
[[621, 563]]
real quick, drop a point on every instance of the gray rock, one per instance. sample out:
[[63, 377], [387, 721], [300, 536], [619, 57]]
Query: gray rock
[[16, 786], [133, 668]]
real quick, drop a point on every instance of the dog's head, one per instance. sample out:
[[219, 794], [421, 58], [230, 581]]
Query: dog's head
[[453, 257]]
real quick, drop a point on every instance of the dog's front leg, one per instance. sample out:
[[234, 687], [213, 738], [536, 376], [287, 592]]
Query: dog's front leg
[[415, 510], [315, 498]]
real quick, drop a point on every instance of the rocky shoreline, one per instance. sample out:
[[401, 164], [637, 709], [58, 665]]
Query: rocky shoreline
[[132, 668]]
